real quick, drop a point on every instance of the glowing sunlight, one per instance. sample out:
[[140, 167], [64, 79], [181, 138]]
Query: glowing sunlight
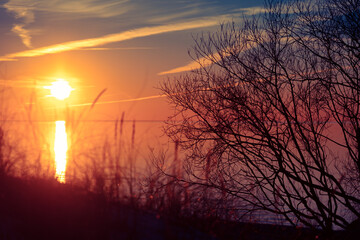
[[60, 149], [60, 89]]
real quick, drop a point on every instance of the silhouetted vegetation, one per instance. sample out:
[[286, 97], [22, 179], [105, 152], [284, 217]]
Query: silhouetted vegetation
[[271, 119], [265, 144]]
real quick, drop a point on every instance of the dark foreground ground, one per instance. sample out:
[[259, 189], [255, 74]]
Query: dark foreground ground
[[46, 209]]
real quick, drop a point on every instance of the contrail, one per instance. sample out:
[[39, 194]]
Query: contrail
[[120, 101]]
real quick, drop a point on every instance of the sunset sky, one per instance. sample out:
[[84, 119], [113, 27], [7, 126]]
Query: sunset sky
[[126, 46]]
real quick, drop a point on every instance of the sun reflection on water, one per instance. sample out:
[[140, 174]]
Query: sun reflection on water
[[60, 149]]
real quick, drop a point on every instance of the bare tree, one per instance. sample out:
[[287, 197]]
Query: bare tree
[[335, 42], [274, 119]]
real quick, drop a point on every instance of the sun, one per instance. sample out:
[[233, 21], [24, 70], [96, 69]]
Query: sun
[[60, 89]]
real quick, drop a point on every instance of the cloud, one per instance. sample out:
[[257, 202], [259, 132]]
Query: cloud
[[27, 17], [111, 38], [121, 12], [190, 66], [23, 33], [204, 61], [95, 8], [115, 48], [24, 11], [177, 15], [17, 83], [216, 57], [252, 10], [120, 101]]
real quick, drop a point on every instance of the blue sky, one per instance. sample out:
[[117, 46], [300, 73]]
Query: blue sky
[[125, 46]]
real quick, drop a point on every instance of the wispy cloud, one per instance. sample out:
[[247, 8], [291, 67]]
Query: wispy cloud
[[23, 33], [202, 62], [190, 66], [17, 83], [26, 17], [120, 101], [95, 8], [205, 61], [177, 15], [252, 10], [111, 38], [23, 11], [115, 48]]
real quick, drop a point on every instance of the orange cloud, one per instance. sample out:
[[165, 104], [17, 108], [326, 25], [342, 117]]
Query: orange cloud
[[118, 37], [23, 33], [212, 58], [201, 62], [191, 66]]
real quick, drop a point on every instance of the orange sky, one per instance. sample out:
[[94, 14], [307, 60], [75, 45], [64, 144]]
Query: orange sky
[[125, 47]]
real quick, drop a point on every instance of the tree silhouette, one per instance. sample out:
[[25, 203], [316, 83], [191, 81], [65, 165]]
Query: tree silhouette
[[272, 115]]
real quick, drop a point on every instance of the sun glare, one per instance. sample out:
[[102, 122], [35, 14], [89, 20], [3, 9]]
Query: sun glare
[[60, 149], [60, 89]]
